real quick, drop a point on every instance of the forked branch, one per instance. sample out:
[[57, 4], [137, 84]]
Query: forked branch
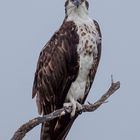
[[25, 128]]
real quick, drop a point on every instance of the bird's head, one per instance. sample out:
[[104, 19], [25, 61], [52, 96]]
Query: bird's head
[[76, 6]]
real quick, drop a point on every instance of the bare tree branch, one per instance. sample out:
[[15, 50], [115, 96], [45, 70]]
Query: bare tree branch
[[25, 128]]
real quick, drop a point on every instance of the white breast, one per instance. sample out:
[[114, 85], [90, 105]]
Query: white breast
[[87, 46]]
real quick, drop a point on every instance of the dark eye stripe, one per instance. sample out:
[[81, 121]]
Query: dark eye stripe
[[87, 4], [66, 3]]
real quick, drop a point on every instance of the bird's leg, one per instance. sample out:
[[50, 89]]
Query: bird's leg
[[73, 107], [74, 104], [67, 105]]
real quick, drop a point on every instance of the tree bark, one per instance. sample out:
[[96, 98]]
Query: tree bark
[[25, 128]]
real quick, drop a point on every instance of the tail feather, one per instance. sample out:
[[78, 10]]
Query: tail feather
[[65, 132], [45, 135], [50, 133]]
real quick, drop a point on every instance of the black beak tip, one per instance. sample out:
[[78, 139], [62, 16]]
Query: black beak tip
[[77, 3]]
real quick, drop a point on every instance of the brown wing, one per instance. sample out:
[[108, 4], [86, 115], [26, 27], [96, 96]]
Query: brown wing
[[57, 68]]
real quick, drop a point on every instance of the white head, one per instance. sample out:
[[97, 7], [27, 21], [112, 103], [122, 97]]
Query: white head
[[79, 7]]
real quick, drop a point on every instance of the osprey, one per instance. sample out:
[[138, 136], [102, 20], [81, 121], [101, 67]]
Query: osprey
[[66, 68]]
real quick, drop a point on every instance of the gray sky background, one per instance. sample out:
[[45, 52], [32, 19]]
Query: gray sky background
[[26, 26]]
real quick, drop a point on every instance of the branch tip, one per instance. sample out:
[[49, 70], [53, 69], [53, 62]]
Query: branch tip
[[112, 81]]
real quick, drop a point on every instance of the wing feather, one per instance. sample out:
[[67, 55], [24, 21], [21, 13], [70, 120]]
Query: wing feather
[[57, 68]]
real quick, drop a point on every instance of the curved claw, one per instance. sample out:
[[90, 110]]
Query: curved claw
[[74, 105]]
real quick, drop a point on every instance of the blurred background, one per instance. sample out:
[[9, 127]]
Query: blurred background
[[27, 25]]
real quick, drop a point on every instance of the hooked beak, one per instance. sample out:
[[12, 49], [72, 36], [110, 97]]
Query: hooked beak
[[77, 3]]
